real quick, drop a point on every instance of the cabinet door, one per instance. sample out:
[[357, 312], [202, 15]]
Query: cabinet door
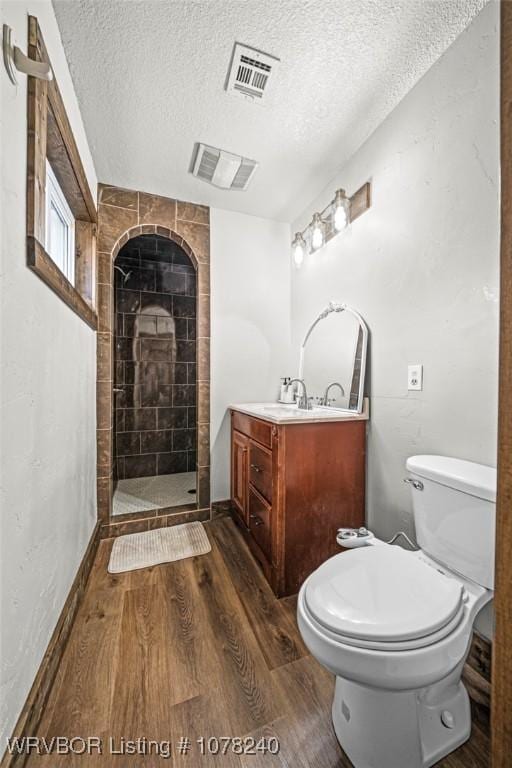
[[239, 474], [260, 522]]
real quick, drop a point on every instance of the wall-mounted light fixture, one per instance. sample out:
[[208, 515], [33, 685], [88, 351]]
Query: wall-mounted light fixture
[[331, 221], [299, 247], [317, 231], [341, 210]]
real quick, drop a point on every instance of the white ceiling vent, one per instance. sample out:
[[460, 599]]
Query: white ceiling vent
[[223, 169], [251, 72]]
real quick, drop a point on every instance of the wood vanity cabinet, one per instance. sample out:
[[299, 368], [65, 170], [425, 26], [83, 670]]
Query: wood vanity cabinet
[[292, 487]]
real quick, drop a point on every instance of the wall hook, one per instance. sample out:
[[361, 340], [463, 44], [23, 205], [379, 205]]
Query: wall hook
[[14, 59]]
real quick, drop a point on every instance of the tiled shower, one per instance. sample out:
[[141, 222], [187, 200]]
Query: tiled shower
[[155, 362]]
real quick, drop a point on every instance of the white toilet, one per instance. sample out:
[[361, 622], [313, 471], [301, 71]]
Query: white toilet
[[395, 626]]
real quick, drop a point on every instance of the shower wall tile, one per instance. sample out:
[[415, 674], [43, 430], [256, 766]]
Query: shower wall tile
[[203, 452], [184, 395], [124, 198], [155, 359], [104, 263], [192, 461], [103, 404], [135, 278], [156, 209], [191, 329], [162, 350], [191, 418], [191, 372], [180, 373], [173, 418], [203, 282], [169, 281], [127, 301], [139, 419], [198, 237], [104, 356], [128, 443], [185, 351], [157, 302], [114, 221], [156, 441], [192, 212], [184, 306], [104, 308], [203, 361], [171, 463], [170, 327], [104, 457], [120, 420], [203, 402], [203, 326], [139, 466], [129, 397], [203, 486], [184, 439]]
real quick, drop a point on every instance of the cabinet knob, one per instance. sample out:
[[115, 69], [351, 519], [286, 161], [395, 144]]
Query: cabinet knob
[[257, 520], [256, 468]]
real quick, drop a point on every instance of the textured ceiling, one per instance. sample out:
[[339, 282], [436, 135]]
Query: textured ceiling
[[150, 77]]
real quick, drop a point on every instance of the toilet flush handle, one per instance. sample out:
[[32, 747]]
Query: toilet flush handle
[[416, 484]]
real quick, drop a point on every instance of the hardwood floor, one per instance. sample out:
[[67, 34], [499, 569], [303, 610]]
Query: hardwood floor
[[199, 648]]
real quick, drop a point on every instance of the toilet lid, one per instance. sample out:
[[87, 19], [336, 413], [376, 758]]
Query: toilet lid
[[382, 593]]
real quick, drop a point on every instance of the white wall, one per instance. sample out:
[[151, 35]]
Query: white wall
[[47, 416], [422, 268], [250, 285]]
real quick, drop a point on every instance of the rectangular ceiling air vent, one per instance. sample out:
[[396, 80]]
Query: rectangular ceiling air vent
[[223, 169], [251, 72]]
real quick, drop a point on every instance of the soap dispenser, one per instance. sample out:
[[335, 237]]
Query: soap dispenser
[[289, 395]]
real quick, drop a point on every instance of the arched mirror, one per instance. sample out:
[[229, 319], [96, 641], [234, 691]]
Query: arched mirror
[[333, 358]]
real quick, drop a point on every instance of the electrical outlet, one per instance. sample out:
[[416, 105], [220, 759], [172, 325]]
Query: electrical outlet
[[415, 377]]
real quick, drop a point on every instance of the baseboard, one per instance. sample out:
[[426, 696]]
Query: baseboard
[[30, 717], [221, 508]]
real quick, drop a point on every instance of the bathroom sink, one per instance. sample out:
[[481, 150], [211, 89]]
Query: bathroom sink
[[281, 413], [278, 408]]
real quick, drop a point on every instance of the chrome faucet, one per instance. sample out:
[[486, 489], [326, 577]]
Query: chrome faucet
[[333, 384], [304, 402]]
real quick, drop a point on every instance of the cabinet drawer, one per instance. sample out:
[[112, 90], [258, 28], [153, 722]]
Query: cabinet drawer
[[260, 521], [255, 428], [260, 470]]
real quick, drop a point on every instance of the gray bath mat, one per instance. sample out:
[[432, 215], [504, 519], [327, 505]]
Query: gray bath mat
[[163, 545]]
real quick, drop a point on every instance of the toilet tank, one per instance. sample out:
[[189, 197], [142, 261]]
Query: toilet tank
[[454, 508]]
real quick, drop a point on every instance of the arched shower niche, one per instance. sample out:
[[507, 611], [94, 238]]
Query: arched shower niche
[[155, 376]]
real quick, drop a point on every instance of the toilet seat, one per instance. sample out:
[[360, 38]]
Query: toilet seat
[[384, 598]]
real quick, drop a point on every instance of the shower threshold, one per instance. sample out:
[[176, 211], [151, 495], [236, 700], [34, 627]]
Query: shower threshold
[[142, 494]]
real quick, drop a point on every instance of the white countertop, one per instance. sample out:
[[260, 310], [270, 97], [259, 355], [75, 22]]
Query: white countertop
[[282, 413]]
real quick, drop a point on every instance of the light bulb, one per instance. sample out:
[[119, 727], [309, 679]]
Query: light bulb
[[340, 210], [340, 218], [317, 237], [298, 249], [298, 255]]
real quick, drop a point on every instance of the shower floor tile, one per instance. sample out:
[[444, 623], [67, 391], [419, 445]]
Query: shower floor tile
[[141, 494]]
